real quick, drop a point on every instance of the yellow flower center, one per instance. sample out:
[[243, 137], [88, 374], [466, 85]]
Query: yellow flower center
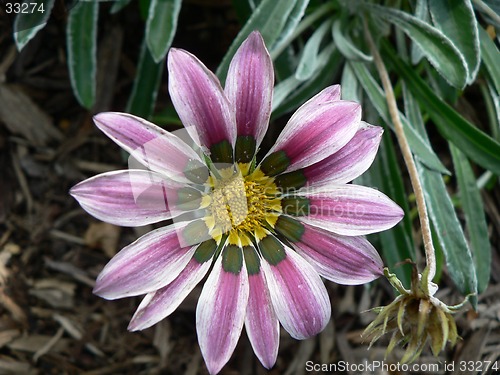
[[242, 206]]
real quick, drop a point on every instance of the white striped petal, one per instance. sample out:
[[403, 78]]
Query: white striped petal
[[249, 87], [341, 259], [298, 294], [160, 304], [199, 100], [220, 315], [314, 132], [348, 163], [261, 322], [149, 144], [128, 198], [144, 266], [350, 210]]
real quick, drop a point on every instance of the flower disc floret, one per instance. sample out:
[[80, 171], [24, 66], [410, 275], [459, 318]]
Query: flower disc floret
[[242, 207]]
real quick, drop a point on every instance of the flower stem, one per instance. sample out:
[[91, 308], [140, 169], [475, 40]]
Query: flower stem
[[430, 256]]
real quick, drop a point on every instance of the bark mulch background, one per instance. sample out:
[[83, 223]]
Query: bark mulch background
[[51, 250]]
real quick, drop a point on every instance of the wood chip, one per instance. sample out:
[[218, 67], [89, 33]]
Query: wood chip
[[23, 117], [104, 236]]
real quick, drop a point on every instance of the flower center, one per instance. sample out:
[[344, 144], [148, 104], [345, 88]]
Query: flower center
[[242, 206]]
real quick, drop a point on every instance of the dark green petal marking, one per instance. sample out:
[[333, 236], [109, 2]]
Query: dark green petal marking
[[272, 250], [295, 206], [291, 180], [290, 228], [222, 152], [195, 232], [205, 251], [252, 260], [196, 172], [245, 148], [275, 163], [232, 259], [188, 198]]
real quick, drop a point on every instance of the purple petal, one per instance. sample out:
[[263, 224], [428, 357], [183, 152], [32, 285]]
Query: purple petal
[[328, 94], [160, 304], [220, 315], [351, 210], [316, 131], [152, 146], [261, 322], [249, 87], [199, 100], [344, 260], [350, 161], [144, 266], [127, 198], [299, 297]]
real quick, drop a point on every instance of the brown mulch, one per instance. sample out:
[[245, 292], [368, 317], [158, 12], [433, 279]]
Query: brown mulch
[[51, 251]]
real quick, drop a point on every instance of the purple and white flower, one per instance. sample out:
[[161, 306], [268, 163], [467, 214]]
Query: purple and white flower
[[264, 232]]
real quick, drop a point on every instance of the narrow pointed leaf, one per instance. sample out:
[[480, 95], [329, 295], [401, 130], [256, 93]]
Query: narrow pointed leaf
[[422, 13], [81, 37], [345, 45], [330, 60], [147, 81], [419, 146], [476, 144], [309, 60], [437, 48], [351, 90], [449, 231], [291, 24], [27, 25], [270, 17], [491, 57], [456, 19], [119, 5], [161, 26], [473, 208]]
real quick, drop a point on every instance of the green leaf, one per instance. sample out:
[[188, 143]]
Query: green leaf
[[397, 243], [449, 231], [27, 25], [419, 146], [147, 81], [492, 102], [283, 89], [490, 10], [161, 26], [81, 42], [442, 213], [422, 13], [350, 85], [473, 208], [477, 145], [309, 60], [437, 48], [291, 24], [329, 62], [294, 28], [456, 19], [119, 5], [491, 57], [345, 45], [270, 17]]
